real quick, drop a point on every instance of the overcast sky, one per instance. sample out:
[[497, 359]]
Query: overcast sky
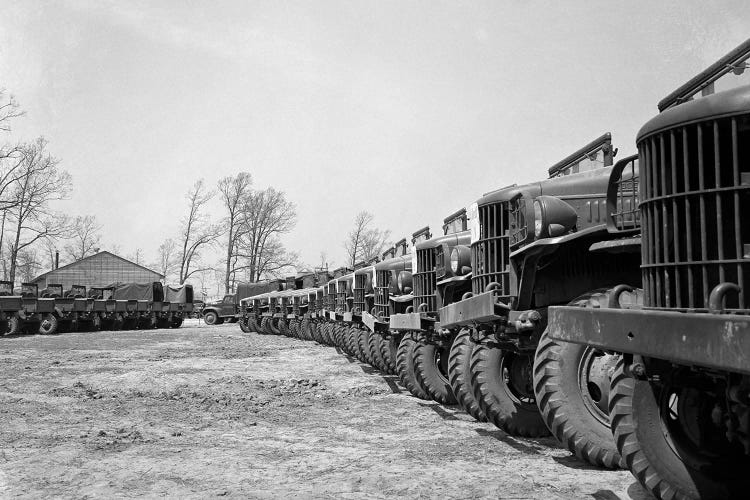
[[410, 110]]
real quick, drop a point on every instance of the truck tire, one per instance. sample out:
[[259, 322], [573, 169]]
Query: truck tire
[[253, 325], [431, 370], [384, 353], [354, 339], [340, 334], [49, 324], [350, 334], [245, 325], [375, 340], [264, 326], [655, 427], [210, 318], [459, 374], [273, 326], [293, 328], [310, 329], [14, 326], [177, 321], [118, 322], [364, 345], [283, 327], [347, 331], [390, 351], [330, 334], [571, 384], [405, 367], [317, 327], [323, 332], [503, 385]]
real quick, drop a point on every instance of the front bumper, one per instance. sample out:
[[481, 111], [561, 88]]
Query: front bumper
[[710, 340], [413, 322], [373, 323], [482, 308]]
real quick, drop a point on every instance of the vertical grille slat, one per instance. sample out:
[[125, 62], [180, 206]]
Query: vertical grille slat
[[694, 192]]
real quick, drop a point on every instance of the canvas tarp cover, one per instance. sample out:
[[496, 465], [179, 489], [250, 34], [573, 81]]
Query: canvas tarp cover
[[178, 294], [137, 291], [251, 289]]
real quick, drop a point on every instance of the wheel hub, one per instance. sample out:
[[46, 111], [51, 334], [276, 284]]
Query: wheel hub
[[593, 381]]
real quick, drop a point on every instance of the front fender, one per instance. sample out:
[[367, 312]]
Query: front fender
[[546, 245]]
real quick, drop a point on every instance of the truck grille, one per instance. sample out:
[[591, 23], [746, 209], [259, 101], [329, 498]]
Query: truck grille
[[360, 282], [331, 297], [440, 262], [295, 305], [694, 191], [382, 296], [490, 256], [311, 303], [424, 279], [623, 198], [341, 296]]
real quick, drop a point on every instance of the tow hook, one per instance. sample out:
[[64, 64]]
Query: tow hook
[[527, 320]]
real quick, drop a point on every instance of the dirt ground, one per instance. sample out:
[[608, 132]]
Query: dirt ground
[[210, 411]]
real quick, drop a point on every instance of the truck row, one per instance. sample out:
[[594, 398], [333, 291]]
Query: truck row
[[605, 304], [120, 306]]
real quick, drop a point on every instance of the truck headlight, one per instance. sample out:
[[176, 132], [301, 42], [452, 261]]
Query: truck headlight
[[404, 282], [454, 260], [538, 219], [460, 260], [553, 217]]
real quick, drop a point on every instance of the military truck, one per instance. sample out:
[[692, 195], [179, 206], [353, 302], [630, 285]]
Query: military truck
[[679, 399], [10, 305], [37, 314], [442, 274], [363, 299], [73, 309], [531, 248], [392, 287], [136, 302], [228, 308], [180, 300]]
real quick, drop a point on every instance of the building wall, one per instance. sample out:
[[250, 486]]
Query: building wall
[[98, 270]]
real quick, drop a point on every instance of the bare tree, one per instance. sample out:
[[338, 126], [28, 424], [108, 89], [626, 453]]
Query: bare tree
[[31, 217], [234, 192], [275, 261], [10, 162], [136, 256], [323, 260], [197, 231], [166, 261], [85, 238], [364, 242], [265, 216], [28, 266], [9, 109]]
